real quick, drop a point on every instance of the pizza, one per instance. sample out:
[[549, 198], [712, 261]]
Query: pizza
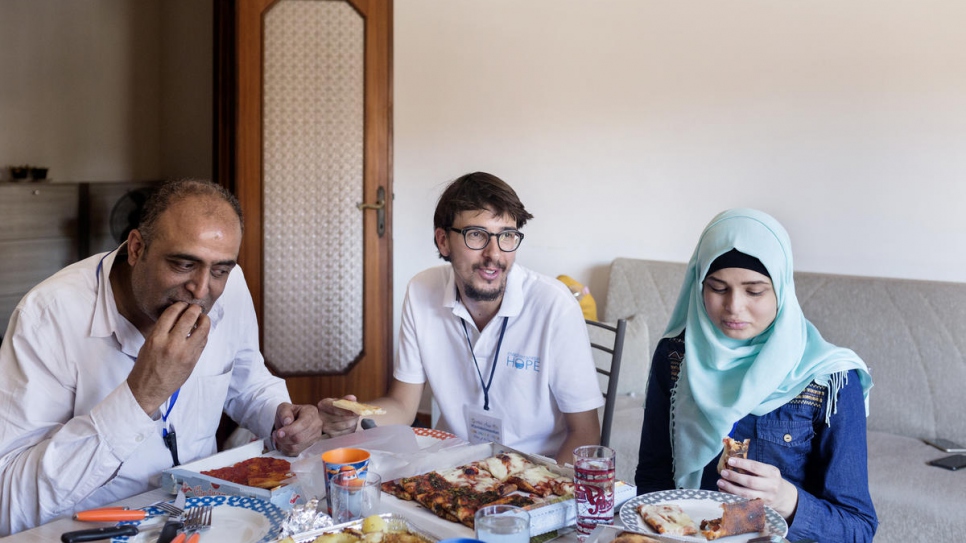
[[736, 518], [668, 519], [457, 493], [731, 449], [361, 409], [260, 472]]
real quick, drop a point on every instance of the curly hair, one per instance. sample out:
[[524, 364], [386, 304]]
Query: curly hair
[[474, 192]]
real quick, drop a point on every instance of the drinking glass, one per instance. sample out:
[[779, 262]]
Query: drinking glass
[[355, 498], [502, 524], [594, 472], [346, 463]]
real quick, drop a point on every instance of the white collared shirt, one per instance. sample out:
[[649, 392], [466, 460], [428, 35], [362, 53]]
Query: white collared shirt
[[545, 366], [72, 435]]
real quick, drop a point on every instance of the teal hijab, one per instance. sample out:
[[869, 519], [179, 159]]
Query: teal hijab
[[723, 379]]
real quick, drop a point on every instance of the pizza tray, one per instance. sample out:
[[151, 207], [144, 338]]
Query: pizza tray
[[395, 522], [543, 518], [188, 477]]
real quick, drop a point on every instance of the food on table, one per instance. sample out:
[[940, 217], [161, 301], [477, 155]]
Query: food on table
[[260, 472], [737, 518], [631, 537], [361, 409], [506, 478], [541, 481], [733, 448], [668, 519], [373, 523], [374, 529]]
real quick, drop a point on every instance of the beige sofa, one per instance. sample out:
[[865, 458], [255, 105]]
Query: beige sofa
[[912, 334]]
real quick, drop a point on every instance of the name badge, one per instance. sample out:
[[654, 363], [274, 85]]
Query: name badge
[[481, 426]]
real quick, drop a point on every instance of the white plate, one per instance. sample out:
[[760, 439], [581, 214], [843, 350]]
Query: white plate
[[239, 519], [699, 505]]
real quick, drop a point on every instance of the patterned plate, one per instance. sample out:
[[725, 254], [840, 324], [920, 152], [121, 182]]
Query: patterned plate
[[239, 519], [699, 505], [430, 432]]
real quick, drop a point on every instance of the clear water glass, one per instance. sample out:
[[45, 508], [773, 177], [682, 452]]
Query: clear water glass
[[502, 524]]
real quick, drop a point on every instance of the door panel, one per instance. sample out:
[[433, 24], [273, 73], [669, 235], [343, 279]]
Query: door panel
[[310, 140]]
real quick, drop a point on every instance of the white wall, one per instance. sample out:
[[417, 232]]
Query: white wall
[[106, 90], [625, 125]]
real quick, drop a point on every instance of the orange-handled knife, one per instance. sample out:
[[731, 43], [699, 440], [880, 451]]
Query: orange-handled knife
[[110, 515]]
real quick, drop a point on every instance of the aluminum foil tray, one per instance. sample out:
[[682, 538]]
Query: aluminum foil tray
[[395, 523]]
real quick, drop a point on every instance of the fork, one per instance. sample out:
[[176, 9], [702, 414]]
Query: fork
[[196, 520], [168, 508]]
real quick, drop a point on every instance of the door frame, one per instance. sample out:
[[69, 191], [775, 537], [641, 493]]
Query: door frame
[[238, 166]]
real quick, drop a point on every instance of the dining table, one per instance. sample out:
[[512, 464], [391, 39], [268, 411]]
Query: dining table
[[440, 528]]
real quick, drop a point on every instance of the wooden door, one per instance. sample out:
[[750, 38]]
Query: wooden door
[[303, 137]]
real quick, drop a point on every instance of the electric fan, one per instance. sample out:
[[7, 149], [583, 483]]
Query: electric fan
[[126, 213]]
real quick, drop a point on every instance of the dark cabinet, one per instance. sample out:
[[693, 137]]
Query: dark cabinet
[[46, 226], [38, 236]]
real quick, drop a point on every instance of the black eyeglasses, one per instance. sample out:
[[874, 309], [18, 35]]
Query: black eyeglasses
[[477, 238]]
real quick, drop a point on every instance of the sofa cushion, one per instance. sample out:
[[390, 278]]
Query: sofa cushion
[[912, 334], [914, 501]]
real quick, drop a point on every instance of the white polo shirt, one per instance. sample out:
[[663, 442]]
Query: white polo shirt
[[545, 366]]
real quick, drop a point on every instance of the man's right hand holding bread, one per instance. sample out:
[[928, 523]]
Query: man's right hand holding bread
[[398, 406]]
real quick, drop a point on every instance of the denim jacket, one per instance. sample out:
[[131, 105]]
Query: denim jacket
[[827, 463]]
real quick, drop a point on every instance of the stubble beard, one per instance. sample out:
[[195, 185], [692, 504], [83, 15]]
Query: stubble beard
[[484, 295], [490, 294]]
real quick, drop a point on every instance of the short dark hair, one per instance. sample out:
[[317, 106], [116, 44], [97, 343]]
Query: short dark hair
[[172, 192], [475, 192]]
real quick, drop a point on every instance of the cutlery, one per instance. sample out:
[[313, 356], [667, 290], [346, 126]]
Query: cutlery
[[174, 522], [118, 514], [94, 534], [110, 515], [196, 520]]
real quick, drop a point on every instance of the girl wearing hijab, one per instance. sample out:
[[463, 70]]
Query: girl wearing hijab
[[740, 359]]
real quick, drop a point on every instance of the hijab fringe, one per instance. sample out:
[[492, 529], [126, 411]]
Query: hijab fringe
[[836, 382]]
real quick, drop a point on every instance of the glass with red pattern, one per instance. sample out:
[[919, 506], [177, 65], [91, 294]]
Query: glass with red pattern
[[595, 467]]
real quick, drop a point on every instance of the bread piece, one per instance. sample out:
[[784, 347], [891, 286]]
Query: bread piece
[[736, 518], [668, 519], [361, 409], [733, 448], [631, 537]]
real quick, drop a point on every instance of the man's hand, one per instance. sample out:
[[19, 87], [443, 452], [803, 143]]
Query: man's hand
[[296, 427], [169, 354], [762, 481], [337, 421]]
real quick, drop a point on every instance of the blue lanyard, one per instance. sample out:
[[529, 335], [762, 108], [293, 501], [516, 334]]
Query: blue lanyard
[[164, 417], [170, 438], [496, 356]]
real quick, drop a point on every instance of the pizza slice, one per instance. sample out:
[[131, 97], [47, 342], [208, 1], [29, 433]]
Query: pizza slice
[[668, 519], [541, 481], [260, 472], [476, 479], [736, 518], [505, 464], [731, 449]]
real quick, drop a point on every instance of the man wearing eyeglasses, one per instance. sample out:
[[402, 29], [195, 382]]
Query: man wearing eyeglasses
[[504, 349]]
